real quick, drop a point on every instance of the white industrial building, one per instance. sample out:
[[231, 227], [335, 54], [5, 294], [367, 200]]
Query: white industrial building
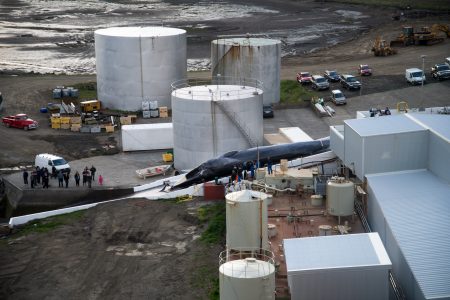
[[347, 267], [257, 58], [405, 161], [138, 63], [210, 120]]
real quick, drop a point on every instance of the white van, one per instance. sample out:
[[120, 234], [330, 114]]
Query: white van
[[46, 160], [415, 76]]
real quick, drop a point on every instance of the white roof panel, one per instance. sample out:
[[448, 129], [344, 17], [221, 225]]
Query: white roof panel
[[335, 251], [439, 124], [416, 206], [384, 125]]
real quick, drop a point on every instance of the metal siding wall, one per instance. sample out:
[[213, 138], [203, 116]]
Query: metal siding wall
[[343, 284], [337, 142], [439, 157], [375, 215], [396, 152], [353, 150]]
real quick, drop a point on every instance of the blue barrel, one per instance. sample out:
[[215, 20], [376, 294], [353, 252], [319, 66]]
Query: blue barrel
[[74, 93], [57, 93], [43, 110]]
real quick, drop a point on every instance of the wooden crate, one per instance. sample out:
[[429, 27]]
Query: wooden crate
[[125, 120], [65, 126], [75, 127], [65, 120], [163, 114], [75, 120], [109, 128], [56, 125]]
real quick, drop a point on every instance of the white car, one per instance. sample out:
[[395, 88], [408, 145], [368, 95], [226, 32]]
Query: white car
[[48, 161], [338, 97]]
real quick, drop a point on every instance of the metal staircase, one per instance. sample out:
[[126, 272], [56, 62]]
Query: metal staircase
[[232, 116]]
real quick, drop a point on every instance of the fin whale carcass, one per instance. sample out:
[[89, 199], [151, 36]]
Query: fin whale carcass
[[223, 165]]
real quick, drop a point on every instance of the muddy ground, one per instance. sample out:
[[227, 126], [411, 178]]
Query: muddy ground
[[134, 249]]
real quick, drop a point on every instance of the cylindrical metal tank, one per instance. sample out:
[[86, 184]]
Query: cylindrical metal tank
[[138, 63], [246, 220], [340, 197], [212, 119], [250, 277], [257, 58]]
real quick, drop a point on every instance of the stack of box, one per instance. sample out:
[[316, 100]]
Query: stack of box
[[65, 122], [163, 112], [145, 109], [56, 122], [75, 123], [154, 111]]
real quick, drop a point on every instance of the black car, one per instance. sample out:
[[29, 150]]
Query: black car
[[332, 76], [440, 71], [267, 111], [350, 82]]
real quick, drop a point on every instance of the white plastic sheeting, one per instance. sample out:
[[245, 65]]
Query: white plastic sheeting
[[138, 63], [347, 267], [201, 128], [295, 134], [147, 137], [250, 58]]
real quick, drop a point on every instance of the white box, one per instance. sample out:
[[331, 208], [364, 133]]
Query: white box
[[147, 137]]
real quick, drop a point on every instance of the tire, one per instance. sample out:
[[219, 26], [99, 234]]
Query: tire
[[26, 128]]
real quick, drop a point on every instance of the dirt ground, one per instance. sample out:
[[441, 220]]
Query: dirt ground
[[134, 249]]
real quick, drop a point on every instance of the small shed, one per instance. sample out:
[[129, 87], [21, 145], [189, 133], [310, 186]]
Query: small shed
[[354, 266]]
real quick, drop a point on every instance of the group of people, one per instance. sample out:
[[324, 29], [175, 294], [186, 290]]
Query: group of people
[[378, 112], [38, 175], [247, 170]]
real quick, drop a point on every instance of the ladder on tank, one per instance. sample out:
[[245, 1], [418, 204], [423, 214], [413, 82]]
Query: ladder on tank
[[242, 128]]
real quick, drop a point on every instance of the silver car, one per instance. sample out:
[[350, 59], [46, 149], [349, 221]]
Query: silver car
[[338, 97], [319, 82]]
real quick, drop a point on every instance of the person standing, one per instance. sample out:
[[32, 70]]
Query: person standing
[[53, 172], [77, 178], [93, 170], [252, 170], [100, 179], [45, 179], [38, 175], [89, 179], [85, 171], [60, 179], [25, 177], [66, 179], [269, 166], [33, 178]]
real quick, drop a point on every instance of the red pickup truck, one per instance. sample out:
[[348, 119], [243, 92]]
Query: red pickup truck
[[20, 121]]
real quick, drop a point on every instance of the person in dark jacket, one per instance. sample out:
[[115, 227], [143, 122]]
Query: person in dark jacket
[[53, 172], [89, 179], [60, 179], [45, 179], [85, 171], [66, 179], [25, 177], [269, 166], [38, 175], [93, 170], [33, 178], [77, 178]]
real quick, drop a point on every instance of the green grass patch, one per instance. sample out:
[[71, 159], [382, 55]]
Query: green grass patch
[[214, 215], [428, 4], [292, 92], [206, 278], [50, 223], [88, 90]]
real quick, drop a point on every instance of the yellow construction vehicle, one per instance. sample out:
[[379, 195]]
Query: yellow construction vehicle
[[402, 107], [380, 48], [425, 36]]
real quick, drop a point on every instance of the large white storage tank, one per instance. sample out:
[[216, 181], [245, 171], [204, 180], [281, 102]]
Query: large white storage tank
[[212, 119], [138, 63], [247, 276], [246, 220], [340, 197], [257, 58]]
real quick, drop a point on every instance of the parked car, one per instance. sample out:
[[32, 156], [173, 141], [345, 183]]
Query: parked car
[[332, 76], [350, 82], [440, 71], [49, 161], [415, 76], [447, 61], [364, 70], [338, 97], [304, 77], [319, 83], [20, 121], [267, 111]]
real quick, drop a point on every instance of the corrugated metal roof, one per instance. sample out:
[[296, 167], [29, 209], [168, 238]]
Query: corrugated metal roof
[[335, 251], [437, 123], [416, 205], [383, 125]]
